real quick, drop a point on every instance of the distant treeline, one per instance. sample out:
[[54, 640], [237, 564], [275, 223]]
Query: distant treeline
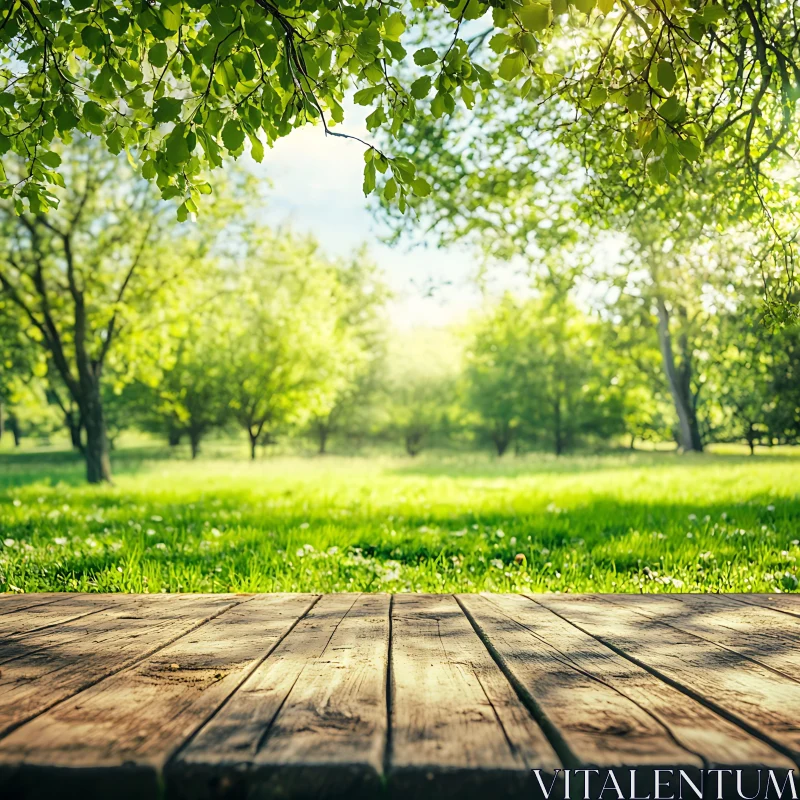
[[115, 317]]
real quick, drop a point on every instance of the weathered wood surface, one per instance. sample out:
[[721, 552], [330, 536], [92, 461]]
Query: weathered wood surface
[[347, 695]]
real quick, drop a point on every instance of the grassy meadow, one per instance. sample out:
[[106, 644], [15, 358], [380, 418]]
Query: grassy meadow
[[652, 522]]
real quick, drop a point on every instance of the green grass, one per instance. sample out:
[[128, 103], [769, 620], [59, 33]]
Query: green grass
[[630, 523]]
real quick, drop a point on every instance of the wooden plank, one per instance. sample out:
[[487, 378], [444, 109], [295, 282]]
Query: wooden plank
[[570, 675], [458, 727], [753, 631], [599, 708], [136, 719], [742, 690], [47, 615], [309, 722], [48, 666], [785, 603], [10, 603]]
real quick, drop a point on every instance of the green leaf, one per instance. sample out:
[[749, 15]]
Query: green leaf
[[421, 87], [390, 190], [93, 38], [713, 13], [536, 16], [177, 147], [425, 56], [93, 113], [421, 187], [394, 25], [369, 177], [50, 159], [171, 17], [665, 73], [670, 109], [256, 148], [157, 55], [585, 6], [438, 106], [499, 42], [636, 101], [511, 66], [232, 135], [167, 109], [364, 97]]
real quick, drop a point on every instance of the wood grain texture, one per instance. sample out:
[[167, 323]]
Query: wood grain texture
[[10, 603], [751, 695], [47, 615], [696, 728], [293, 697], [596, 702], [135, 720], [756, 632], [785, 603], [309, 722], [458, 727], [48, 666]]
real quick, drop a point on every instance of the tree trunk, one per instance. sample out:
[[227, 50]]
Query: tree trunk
[[559, 441], [253, 442], [501, 444], [173, 437], [751, 440], [322, 434], [633, 441], [75, 428], [194, 442], [688, 429], [98, 462], [413, 443], [13, 426]]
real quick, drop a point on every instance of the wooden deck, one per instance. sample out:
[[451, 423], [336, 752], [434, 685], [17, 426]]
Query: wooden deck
[[305, 696]]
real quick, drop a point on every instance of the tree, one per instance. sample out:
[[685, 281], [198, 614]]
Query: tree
[[753, 376], [535, 371], [420, 386], [358, 359], [282, 335], [183, 85], [86, 276]]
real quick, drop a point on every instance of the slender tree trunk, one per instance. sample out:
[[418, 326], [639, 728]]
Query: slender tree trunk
[[501, 444], [633, 441], [253, 442], [194, 442], [322, 434], [559, 441], [688, 430], [98, 462], [75, 428], [13, 426]]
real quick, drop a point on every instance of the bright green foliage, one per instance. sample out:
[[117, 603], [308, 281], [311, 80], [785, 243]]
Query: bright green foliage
[[421, 401], [536, 372], [645, 522], [284, 341], [183, 84], [89, 282], [355, 368]]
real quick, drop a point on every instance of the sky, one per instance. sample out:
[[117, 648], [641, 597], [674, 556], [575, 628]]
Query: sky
[[316, 187]]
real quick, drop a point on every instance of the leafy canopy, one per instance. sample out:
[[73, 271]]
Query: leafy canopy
[[181, 84]]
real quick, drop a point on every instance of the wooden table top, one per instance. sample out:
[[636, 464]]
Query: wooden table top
[[344, 695]]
